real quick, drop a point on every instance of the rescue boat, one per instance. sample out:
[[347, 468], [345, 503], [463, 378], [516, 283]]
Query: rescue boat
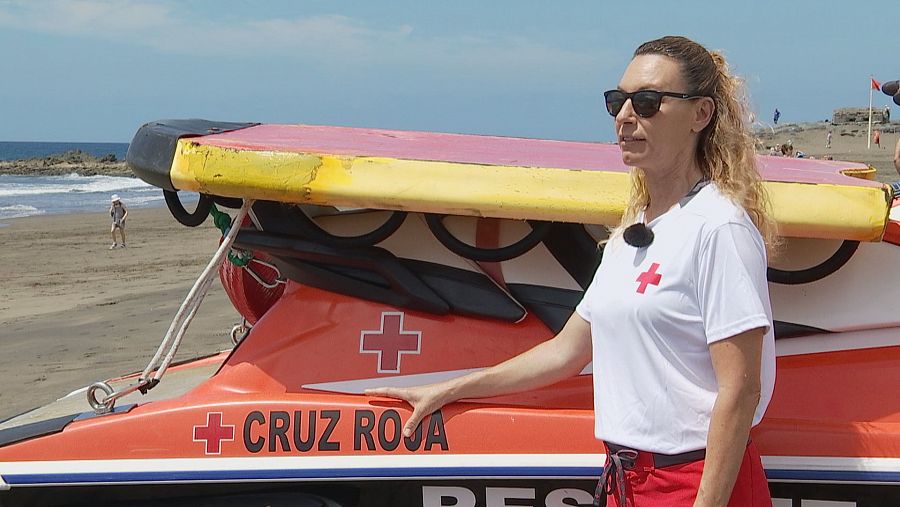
[[362, 258]]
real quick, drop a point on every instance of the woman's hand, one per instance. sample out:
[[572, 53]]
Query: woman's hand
[[424, 400], [548, 362]]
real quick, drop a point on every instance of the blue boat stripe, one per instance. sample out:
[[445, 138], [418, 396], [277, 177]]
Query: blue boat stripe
[[382, 473], [832, 475], [282, 474]]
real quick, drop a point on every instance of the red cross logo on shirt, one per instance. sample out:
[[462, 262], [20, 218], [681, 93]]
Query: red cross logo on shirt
[[649, 277], [390, 342], [214, 433]]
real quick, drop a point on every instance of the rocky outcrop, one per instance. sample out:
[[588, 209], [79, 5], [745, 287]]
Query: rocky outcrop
[[74, 161], [854, 115]]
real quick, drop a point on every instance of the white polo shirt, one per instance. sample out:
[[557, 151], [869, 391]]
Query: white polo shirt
[[654, 311]]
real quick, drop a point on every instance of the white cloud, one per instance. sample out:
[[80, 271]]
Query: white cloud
[[164, 27], [335, 41], [89, 18]]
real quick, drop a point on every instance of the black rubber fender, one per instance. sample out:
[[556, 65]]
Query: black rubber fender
[[228, 202], [809, 275], [182, 215], [539, 230], [312, 231]]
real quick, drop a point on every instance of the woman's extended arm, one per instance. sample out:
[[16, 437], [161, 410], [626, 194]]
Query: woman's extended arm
[[736, 361], [559, 358]]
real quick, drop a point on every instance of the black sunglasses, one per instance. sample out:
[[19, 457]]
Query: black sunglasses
[[645, 102]]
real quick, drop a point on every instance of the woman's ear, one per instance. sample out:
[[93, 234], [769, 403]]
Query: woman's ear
[[703, 113]]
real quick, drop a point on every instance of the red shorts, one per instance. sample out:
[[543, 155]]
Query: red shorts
[[676, 486]]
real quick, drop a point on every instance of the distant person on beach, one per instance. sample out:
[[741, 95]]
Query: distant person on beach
[[787, 149], [895, 186], [828, 140], [118, 213], [777, 115], [876, 137], [897, 157]]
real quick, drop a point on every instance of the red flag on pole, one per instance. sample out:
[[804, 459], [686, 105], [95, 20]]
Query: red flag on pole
[[875, 84]]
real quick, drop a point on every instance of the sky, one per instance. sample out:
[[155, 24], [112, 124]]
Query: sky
[[96, 70]]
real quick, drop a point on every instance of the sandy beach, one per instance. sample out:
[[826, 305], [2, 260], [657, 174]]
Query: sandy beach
[[73, 312], [848, 143]]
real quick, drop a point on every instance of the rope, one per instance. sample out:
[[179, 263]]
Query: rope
[[243, 258], [180, 323], [240, 258], [269, 285], [222, 220], [189, 307]]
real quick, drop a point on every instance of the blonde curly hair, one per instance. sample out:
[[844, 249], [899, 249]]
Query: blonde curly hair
[[726, 149]]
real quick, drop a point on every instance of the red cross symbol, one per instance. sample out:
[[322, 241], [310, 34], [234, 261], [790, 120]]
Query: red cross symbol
[[214, 433], [649, 277], [390, 342]]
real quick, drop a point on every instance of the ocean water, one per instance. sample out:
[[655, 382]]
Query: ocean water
[[19, 150], [23, 196]]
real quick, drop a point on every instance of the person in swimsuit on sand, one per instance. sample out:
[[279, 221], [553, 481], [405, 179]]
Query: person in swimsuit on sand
[[118, 213]]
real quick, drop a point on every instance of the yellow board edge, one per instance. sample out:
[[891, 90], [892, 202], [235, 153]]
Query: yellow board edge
[[863, 173], [801, 209]]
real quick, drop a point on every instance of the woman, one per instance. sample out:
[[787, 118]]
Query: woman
[[677, 319]]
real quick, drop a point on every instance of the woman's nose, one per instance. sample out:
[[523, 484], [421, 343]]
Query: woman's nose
[[626, 114]]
